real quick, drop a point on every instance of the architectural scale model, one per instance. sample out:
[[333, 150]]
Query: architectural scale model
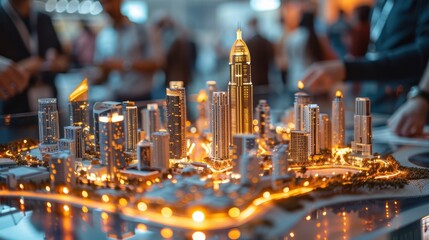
[[173, 175], [240, 88]]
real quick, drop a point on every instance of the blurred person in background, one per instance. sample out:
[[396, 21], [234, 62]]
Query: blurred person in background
[[31, 54], [127, 55], [336, 34], [180, 50], [84, 46], [357, 37], [304, 47], [262, 54], [397, 56], [281, 60]]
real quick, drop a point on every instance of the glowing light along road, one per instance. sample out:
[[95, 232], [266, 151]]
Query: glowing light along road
[[331, 166], [214, 222], [389, 175], [63, 199]]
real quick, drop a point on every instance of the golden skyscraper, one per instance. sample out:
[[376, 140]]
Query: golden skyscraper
[[240, 88]]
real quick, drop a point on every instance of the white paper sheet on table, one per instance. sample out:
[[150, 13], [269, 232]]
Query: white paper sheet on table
[[384, 135]]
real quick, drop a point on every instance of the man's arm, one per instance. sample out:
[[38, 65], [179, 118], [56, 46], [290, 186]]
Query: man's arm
[[13, 78], [409, 120], [404, 62]]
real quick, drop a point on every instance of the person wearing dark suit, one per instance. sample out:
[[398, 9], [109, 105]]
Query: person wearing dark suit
[[30, 45], [396, 57], [262, 53]]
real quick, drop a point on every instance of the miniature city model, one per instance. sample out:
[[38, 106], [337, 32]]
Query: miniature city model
[[200, 179]]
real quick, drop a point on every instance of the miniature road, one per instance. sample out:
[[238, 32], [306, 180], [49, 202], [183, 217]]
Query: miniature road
[[154, 217], [218, 221]]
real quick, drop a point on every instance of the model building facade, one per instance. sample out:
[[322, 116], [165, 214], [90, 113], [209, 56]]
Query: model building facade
[[240, 88], [176, 122]]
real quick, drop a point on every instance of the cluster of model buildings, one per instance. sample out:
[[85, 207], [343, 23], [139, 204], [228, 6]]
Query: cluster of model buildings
[[234, 131], [315, 133]]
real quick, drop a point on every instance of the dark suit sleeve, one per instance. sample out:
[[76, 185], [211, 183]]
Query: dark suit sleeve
[[48, 37], [405, 62]]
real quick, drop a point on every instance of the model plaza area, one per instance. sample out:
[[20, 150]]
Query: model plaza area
[[196, 179]]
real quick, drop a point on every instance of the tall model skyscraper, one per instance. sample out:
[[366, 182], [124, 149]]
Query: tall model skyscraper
[[362, 144], [176, 123], [130, 112], [99, 109], [221, 131], [311, 125], [240, 88], [301, 100], [161, 149], [79, 110], [48, 125], [338, 121], [262, 115], [151, 120], [112, 140], [211, 88], [325, 131], [76, 134]]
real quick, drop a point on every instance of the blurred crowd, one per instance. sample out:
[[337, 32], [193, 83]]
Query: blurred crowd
[[126, 58]]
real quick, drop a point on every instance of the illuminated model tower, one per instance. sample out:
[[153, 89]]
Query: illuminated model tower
[[220, 158], [262, 115], [112, 142], [362, 144], [151, 120], [280, 166], [48, 125], [211, 88], [240, 88], [325, 131], [79, 110], [301, 100], [130, 113], [299, 146], [76, 134], [338, 121], [161, 149], [176, 123], [98, 110], [311, 125], [62, 169]]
